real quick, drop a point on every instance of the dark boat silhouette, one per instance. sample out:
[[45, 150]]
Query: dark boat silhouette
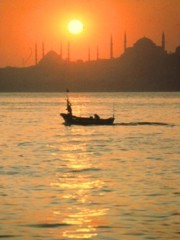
[[70, 119]]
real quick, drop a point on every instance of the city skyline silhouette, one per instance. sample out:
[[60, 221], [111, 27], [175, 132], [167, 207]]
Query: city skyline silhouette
[[24, 24]]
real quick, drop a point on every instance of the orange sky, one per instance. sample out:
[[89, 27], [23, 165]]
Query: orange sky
[[24, 22]]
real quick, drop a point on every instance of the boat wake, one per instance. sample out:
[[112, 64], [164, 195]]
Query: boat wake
[[144, 124]]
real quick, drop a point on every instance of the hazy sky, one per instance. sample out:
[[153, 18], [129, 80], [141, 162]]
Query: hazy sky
[[24, 22]]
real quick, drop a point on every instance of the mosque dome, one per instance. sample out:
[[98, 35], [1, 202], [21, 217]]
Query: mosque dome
[[144, 43], [50, 58], [178, 50]]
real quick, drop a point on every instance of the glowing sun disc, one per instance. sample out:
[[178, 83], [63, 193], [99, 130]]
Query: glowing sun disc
[[75, 26]]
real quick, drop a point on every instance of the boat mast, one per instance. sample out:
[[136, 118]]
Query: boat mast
[[113, 110], [67, 96], [69, 108]]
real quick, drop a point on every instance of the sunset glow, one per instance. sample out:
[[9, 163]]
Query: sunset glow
[[47, 21], [75, 26]]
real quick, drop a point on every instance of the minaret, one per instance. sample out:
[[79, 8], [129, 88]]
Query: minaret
[[111, 47], [61, 51], [163, 41], [97, 53], [68, 52], [43, 50], [125, 42], [36, 54], [89, 54]]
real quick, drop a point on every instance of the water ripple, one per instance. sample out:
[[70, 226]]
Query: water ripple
[[144, 123], [9, 236], [48, 225], [115, 182]]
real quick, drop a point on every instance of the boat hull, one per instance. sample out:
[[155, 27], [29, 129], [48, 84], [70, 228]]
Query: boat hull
[[85, 121]]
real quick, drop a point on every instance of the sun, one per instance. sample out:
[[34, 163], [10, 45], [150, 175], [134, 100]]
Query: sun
[[75, 26]]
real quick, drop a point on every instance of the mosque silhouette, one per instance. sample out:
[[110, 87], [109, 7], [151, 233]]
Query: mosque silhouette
[[142, 67]]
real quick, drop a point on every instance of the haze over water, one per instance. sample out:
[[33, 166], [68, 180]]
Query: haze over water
[[97, 182]]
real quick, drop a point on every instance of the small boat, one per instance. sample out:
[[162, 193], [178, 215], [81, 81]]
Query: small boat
[[70, 119]]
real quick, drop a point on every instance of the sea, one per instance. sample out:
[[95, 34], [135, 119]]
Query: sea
[[119, 182]]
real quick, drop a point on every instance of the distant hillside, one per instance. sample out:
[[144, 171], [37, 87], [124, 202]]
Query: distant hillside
[[144, 67]]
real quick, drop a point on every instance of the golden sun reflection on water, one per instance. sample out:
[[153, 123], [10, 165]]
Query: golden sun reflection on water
[[79, 193], [85, 221]]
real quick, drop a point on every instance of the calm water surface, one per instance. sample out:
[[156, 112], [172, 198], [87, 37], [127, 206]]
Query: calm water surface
[[97, 182]]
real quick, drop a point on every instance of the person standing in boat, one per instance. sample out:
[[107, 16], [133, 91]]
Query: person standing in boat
[[97, 117], [69, 108]]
